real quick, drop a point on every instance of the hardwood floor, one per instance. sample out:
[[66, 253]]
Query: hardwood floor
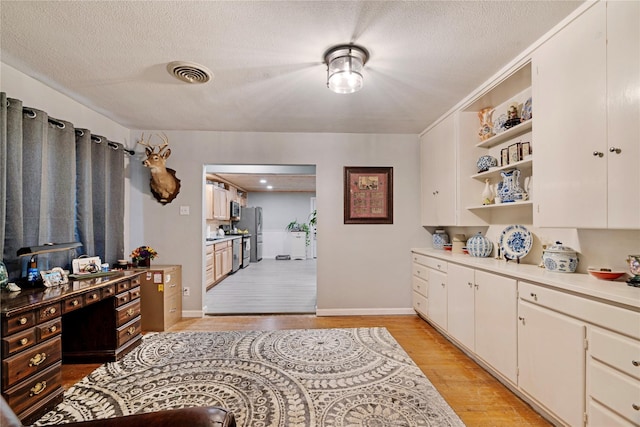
[[478, 398], [266, 287]]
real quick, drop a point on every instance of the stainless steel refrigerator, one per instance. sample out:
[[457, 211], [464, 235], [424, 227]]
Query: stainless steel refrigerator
[[251, 219]]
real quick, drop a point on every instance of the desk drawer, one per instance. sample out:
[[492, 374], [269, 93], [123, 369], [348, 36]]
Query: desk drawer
[[134, 293], [12, 325], [49, 329], [135, 281], [74, 303], [123, 286], [128, 312], [19, 341], [108, 291], [92, 296], [49, 312], [129, 331], [122, 299], [35, 389], [29, 362]]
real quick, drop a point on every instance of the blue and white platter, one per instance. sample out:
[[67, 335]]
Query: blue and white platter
[[515, 241]]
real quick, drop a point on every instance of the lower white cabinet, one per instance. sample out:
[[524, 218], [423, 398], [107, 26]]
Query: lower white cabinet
[[551, 360], [461, 305], [437, 301]]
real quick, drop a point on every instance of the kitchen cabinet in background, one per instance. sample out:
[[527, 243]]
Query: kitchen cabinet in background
[[161, 297]]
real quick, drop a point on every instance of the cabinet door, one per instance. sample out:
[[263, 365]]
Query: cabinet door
[[437, 301], [551, 360], [218, 269], [209, 201], [623, 81], [569, 106], [496, 310], [438, 174], [460, 305]]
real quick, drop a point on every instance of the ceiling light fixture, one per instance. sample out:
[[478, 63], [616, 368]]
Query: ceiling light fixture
[[344, 68]]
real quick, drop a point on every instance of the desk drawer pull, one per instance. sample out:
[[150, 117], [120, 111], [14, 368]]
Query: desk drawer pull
[[53, 328], [38, 388], [37, 359], [23, 321], [24, 341], [130, 312], [131, 330], [93, 296], [75, 302], [51, 311]]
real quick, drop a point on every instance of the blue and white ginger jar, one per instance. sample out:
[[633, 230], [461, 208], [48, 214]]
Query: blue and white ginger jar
[[440, 237], [479, 246], [486, 162], [561, 259]]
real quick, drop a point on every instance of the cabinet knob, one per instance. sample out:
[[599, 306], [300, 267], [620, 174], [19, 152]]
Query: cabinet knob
[[635, 406], [23, 321], [635, 362], [615, 150], [520, 318], [598, 153], [24, 341], [534, 296], [470, 284], [442, 285]]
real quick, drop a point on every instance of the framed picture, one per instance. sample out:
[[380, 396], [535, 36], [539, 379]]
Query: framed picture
[[526, 149], [368, 195], [504, 157], [515, 152]]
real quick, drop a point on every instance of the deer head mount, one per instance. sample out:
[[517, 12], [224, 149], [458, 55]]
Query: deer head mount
[[165, 186]]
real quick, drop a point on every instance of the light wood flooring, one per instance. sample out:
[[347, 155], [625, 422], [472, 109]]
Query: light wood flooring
[[266, 287], [478, 398]]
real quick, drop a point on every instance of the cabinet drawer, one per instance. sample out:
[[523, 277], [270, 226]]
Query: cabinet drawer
[[74, 303], [122, 299], [420, 271], [19, 341], [49, 329], [616, 351], [419, 285], [419, 259], [12, 325], [419, 303], [92, 296], [615, 390], [122, 286], [48, 312], [28, 362], [437, 264], [29, 393], [171, 289], [173, 310], [108, 291], [128, 331], [135, 281], [134, 293], [128, 312], [209, 250]]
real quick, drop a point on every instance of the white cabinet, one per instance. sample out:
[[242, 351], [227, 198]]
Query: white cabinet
[[482, 309], [586, 107], [419, 284], [437, 301], [438, 174], [298, 244], [551, 355]]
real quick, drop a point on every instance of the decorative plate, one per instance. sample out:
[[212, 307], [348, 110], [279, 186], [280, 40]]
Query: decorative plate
[[498, 124], [527, 112], [515, 241]]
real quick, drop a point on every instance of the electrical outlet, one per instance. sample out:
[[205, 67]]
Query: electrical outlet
[[186, 291]]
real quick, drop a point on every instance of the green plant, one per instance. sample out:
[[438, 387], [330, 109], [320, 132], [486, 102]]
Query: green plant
[[313, 218], [294, 226]]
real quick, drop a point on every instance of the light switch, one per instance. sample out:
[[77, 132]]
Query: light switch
[[184, 210]]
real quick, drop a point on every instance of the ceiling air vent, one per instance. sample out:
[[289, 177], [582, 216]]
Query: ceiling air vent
[[189, 72]]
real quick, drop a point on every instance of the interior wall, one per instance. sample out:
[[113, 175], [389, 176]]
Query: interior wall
[[361, 268]]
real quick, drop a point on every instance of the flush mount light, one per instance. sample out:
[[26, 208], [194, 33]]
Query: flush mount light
[[344, 68]]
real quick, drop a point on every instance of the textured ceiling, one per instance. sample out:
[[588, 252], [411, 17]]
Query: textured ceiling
[[266, 57]]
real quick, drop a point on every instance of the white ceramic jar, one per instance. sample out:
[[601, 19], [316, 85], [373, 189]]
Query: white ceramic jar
[[561, 259]]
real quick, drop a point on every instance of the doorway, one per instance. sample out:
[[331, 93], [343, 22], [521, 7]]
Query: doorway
[[276, 284]]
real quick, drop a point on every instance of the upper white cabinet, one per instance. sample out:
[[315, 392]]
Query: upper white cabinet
[[586, 81], [438, 174]]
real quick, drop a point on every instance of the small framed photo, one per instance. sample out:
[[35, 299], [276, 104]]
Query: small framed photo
[[504, 157], [526, 149], [515, 152]]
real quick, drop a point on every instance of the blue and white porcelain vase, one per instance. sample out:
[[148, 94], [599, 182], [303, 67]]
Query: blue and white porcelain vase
[[440, 237], [510, 191], [479, 246]]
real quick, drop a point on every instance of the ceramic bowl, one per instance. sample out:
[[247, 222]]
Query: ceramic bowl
[[605, 274], [561, 259], [486, 162]]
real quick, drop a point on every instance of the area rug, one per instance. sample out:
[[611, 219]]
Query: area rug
[[311, 377]]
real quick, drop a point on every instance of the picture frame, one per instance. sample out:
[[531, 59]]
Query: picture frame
[[54, 277], [368, 195], [504, 157], [526, 149], [515, 152]]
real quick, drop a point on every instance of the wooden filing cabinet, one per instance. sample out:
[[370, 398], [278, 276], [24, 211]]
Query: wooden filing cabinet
[[161, 297]]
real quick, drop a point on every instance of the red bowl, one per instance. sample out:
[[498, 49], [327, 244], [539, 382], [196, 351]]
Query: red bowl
[[606, 275]]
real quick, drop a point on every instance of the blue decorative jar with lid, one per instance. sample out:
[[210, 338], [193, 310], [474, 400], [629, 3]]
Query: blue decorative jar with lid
[[440, 237], [479, 246]]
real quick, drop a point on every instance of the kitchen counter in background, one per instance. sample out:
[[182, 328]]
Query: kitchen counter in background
[[581, 284], [220, 239]]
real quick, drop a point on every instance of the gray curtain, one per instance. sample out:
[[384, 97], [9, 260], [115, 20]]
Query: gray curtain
[[59, 185]]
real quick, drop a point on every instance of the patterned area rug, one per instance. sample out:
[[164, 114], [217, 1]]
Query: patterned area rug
[[311, 377]]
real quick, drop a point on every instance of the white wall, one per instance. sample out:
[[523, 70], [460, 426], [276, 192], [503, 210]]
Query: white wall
[[361, 268]]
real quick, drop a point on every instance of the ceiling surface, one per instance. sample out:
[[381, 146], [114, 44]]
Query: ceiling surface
[[267, 58]]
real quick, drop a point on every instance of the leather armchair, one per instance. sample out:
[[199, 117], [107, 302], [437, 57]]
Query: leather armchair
[[209, 416]]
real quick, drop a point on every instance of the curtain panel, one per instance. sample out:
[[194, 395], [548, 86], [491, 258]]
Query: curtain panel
[[58, 184]]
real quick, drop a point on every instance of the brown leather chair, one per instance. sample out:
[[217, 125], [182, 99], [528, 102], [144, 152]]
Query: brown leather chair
[[209, 416]]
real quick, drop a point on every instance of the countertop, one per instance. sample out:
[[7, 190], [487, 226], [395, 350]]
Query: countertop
[[220, 239], [616, 291]]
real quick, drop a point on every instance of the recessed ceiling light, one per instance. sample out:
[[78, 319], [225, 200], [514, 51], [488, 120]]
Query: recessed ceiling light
[[263, 181], [269, 187]]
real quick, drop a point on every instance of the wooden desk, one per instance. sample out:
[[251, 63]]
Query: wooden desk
[[85, 321]]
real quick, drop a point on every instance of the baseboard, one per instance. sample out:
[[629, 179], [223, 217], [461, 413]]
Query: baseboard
[[364, 311], [193, 313]]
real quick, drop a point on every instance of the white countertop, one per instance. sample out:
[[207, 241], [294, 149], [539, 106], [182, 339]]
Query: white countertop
[[223, 239], [583, 284]]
